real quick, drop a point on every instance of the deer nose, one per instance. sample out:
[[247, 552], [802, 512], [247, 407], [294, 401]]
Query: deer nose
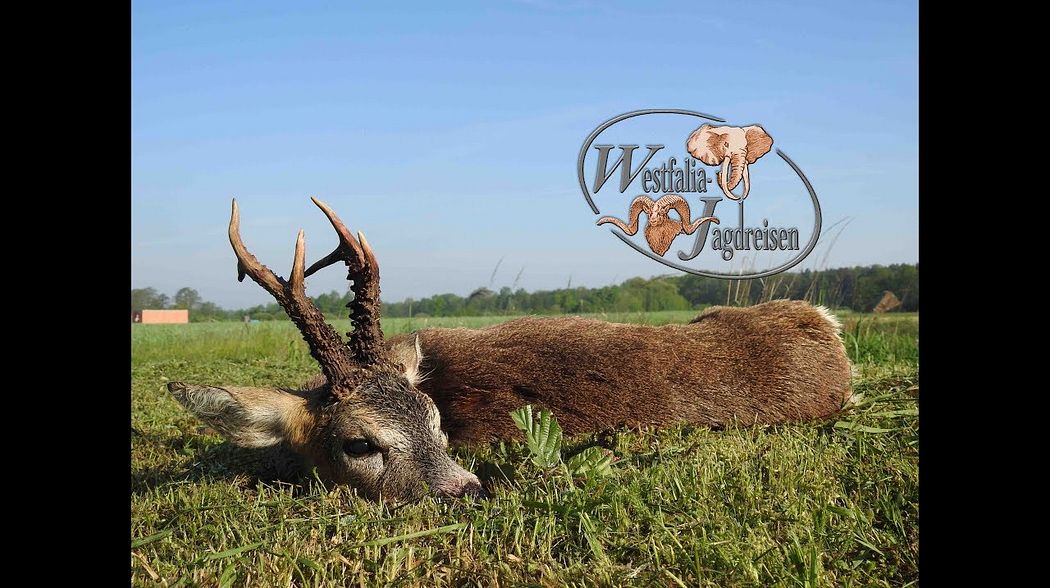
[[473, 489], [464, 486]]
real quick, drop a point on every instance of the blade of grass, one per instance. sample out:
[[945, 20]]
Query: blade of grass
[[150, 538], [233, 552], [861, 428], [416, 535]]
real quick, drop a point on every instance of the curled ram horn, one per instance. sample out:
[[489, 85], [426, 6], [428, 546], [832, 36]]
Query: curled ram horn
[[660, 229]]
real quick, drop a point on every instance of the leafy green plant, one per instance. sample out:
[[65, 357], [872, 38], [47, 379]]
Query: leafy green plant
[[542, 434], [592, 461], [543, 437]]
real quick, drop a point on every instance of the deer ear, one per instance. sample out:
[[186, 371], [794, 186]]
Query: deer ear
[[408, 354], [249, 417]]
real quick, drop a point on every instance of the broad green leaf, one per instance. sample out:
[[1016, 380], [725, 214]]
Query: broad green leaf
[[523, 418], [542, 435], [592, 461]]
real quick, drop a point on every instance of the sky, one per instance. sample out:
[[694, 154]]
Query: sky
[[449, 133]]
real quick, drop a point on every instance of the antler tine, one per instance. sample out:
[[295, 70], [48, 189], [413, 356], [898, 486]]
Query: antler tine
[[325, 345], [346, 240], [366, 340], [248, 264], [297, 278], [368, 249]]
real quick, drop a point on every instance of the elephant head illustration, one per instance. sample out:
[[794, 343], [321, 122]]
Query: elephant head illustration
[[660, 229], [734, 148]]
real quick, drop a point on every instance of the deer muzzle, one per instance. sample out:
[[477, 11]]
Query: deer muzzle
[[461, 486]]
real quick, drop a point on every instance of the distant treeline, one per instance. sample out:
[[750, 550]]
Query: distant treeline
[[854, 288]]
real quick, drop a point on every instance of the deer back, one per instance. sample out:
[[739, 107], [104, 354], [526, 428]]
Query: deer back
[[775, 362]]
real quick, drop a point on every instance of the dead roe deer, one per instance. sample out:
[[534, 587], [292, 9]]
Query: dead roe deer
[[381, 415]]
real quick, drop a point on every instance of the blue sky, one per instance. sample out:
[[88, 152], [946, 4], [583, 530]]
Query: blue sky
[[449, 135]]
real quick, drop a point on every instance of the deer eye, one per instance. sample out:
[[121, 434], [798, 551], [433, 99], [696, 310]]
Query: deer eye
[[358, 447]]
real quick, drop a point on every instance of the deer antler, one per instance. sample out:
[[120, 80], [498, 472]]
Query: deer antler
[[326, 347], [366, 340]]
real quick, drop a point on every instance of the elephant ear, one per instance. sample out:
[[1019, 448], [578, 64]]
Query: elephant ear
[[706, 145], [758, 143]]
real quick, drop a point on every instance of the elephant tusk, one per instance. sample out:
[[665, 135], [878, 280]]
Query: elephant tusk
[[723, 182], [747, 182], [723, 179]]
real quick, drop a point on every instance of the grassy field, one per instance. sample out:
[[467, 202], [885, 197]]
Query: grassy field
[[823, 504]]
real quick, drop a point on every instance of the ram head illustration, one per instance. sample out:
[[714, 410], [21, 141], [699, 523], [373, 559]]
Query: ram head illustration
[[660, 229]]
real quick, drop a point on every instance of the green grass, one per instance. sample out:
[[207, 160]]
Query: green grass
[[280, 339], [821, 504]]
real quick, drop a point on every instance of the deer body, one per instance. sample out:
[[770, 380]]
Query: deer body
[[381, 414], [776, 362]]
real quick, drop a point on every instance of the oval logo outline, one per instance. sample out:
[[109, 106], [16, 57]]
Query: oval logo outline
[[708, 274]]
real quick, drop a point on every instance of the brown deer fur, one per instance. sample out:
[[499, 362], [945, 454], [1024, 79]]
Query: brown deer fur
[[776, 362]]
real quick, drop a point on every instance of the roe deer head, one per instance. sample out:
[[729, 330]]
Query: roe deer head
[[366, 425]]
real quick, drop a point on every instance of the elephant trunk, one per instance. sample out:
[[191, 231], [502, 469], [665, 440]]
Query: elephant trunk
[[736, 166]]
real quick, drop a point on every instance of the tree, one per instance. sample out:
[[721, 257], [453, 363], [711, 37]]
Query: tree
[[331, 303], [858, 288], [209, 311], [143, 298], [187, 298]]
